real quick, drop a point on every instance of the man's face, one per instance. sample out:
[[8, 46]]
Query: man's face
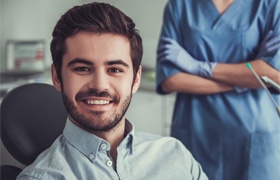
[[97, 79]]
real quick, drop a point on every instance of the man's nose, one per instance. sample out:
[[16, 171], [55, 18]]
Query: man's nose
[[99, 81]]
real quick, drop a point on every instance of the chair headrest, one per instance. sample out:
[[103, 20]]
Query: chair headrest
[[32, 117]]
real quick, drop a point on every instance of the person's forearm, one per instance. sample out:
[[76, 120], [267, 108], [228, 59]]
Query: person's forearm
[[240, 75], [187, 83]]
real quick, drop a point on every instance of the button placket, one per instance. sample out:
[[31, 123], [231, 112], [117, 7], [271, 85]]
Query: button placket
[[103, 146], [109, 163], [91, 156]]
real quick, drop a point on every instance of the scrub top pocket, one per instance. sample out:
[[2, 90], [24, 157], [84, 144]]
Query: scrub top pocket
[[264, 160]]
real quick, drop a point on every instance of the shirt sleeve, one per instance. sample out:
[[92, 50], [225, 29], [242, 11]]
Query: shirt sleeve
[[196, 170], [24, 177], [171, 29], [273, 23]]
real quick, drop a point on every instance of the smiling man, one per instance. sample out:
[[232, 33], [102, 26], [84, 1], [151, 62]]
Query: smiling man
[[97, 53]]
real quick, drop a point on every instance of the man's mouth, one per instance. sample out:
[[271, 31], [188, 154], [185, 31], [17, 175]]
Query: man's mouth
[[97, 102], [92, 97]]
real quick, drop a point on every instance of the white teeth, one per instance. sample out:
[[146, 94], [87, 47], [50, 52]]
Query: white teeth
[[97, 102]]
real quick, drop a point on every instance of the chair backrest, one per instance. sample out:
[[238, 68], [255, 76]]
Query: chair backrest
[[9, 172], [32, 117]]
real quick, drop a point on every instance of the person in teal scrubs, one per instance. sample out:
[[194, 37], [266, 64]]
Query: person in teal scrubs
[[221, 113]]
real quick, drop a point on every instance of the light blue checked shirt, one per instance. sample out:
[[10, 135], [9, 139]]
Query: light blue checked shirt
[[77, 154]]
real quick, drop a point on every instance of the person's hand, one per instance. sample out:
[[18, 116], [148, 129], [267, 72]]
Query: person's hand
[[270, 43], [171, 51]]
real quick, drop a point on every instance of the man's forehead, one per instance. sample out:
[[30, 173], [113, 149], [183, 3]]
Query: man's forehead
[[108, 48]]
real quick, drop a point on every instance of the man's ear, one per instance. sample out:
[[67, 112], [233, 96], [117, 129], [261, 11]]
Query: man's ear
[[137, 80], [56, 82]]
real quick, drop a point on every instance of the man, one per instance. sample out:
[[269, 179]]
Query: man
[[96, 55]]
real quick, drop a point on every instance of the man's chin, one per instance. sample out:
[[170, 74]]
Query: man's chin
[[89, 125]]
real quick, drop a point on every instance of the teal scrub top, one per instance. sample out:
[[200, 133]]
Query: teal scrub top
[[233, 135]]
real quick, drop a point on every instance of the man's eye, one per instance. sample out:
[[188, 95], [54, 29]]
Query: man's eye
[[82, 69], [115, 70]]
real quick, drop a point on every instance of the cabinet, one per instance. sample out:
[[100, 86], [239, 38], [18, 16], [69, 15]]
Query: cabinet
[[168, 102], [150, 112], [145, 112]]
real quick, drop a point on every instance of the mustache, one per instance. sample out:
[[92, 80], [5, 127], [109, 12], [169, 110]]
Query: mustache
[[93, 92]]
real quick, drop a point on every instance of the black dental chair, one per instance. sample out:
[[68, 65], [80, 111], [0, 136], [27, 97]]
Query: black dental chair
[[32, 117]]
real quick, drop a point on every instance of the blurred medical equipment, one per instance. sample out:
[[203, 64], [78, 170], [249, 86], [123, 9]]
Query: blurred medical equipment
[[264, 86], [270, 82]]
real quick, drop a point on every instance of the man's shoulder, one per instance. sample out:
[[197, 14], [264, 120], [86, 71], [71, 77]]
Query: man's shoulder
[[158, 140], [52, 159]]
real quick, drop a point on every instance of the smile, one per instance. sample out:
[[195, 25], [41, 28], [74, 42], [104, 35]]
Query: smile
[[97, 102]]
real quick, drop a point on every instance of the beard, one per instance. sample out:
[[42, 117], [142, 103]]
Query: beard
[[96, 120]]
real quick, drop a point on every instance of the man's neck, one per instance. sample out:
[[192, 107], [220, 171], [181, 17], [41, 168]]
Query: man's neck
[[113, 137]]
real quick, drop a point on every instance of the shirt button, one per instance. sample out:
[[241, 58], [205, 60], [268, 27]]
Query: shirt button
[[103, 146], [91, 156], [109, 163]]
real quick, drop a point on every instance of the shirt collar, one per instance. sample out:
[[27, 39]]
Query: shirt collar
[[127, 142], [89, 144]]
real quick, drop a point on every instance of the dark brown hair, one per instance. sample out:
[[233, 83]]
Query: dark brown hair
[[97, 18]]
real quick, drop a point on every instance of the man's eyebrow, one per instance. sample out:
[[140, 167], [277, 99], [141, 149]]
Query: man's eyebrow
[[87, 62], [79, 60], [121, 62]]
